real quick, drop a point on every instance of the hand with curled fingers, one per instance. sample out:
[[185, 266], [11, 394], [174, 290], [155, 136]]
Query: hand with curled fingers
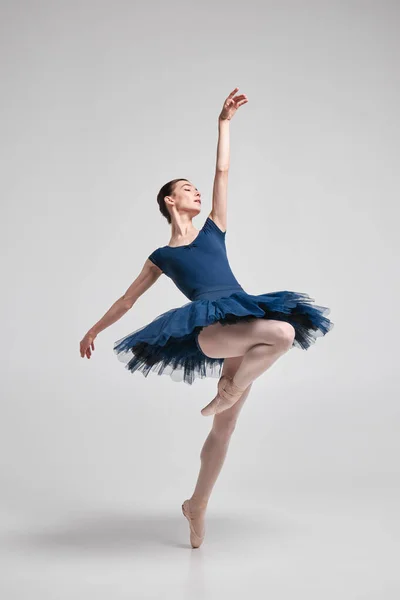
[[231, 105]]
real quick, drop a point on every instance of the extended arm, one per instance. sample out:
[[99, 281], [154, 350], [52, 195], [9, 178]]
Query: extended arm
[[146, 278], [220, 189]]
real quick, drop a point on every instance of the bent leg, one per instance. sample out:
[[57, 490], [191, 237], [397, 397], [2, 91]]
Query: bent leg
[[261, 342], [261, 357], [226, 341]]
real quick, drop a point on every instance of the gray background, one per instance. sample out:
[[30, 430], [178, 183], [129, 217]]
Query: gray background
[[101, 104]]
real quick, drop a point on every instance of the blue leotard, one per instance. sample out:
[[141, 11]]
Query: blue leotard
[[201, 271]]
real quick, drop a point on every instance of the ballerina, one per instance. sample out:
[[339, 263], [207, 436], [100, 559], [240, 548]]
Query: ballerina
[[222, 331]]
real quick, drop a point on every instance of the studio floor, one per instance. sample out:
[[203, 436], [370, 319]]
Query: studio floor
[[312, 545]]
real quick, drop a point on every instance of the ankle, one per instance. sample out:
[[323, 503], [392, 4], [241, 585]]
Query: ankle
[[198, 502]]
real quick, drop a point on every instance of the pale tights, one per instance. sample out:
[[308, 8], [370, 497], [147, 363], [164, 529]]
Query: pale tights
[[212, 458], [245, 369]]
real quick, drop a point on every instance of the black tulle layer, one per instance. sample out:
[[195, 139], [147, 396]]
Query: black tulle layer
[[168, 344]]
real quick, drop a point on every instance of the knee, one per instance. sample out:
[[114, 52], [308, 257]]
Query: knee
[[285, 334]]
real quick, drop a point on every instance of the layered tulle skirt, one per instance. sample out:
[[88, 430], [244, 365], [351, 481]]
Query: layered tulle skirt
[[168, 345]]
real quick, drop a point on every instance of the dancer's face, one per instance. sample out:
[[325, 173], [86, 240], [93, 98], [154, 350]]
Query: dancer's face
[[187, 197]]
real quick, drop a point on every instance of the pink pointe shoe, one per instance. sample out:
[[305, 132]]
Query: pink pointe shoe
[[228, 394], [195, 539]]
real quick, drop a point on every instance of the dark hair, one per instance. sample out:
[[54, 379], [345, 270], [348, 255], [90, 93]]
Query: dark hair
[[167, 190]]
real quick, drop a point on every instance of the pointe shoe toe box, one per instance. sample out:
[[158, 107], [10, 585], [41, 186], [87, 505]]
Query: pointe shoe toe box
[[195, 539]]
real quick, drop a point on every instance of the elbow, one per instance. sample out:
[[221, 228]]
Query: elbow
[[127, 302]]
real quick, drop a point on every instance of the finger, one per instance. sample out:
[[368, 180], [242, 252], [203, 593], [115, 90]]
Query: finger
[[233, 92], [243, 102], [239, 98]]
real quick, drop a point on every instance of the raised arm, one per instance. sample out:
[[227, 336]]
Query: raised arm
[[146, 278], [220, 189]]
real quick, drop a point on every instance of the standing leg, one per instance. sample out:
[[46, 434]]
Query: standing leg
[[213, 456]]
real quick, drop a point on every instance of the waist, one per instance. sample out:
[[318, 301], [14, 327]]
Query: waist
[[213, 293]]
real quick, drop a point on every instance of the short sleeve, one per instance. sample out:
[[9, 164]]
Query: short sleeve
[[155, 258], [210, 224]]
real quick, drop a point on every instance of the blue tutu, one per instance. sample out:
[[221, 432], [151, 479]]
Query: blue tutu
[[169, 344]]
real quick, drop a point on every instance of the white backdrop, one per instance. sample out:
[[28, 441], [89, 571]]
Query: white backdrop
[[101, 104]]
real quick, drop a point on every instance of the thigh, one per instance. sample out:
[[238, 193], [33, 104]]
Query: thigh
[[225, 341]]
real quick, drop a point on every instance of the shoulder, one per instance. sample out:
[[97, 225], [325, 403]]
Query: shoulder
[[156, 258]]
